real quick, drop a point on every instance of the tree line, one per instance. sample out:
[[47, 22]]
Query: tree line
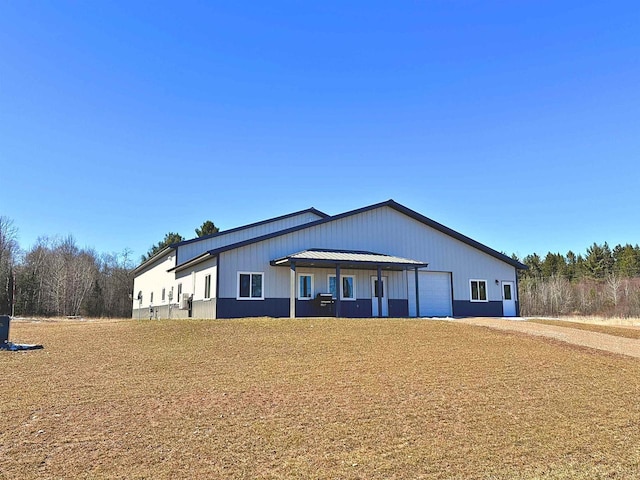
[[602, 281], [55, 277]]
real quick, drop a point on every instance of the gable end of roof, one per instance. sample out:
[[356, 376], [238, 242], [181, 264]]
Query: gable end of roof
[[458, 236], [396, 206], [152, 260]]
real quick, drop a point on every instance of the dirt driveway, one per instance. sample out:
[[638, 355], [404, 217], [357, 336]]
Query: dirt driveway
[[599, 341]]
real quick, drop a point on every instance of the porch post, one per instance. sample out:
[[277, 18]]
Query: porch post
[[517, 297], [338, 290], [417, 294], [292, 292], [379, 291]]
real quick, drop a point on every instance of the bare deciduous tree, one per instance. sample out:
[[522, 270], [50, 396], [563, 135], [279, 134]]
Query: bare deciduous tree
[[8, 252], [613, 283]]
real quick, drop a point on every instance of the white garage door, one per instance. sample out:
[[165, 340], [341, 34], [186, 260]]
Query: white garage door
[[435, 294]]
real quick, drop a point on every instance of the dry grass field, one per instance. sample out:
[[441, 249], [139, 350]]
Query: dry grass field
[[622, 331], [599, 320], [352, 399]]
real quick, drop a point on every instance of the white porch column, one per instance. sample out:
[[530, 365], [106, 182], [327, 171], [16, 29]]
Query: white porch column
[[417, 293], [338, 290], [379, 291]]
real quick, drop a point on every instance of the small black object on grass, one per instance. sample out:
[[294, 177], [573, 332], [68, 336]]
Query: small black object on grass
[[5, 344]]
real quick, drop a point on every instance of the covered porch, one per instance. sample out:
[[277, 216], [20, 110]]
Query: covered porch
[[338, 283]]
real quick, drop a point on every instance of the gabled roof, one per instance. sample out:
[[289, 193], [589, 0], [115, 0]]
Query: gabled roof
[[391, 204], [173, 246], [151, 260], [458, 236], [251, 225]]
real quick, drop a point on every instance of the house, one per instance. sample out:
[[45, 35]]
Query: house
[[377, 261]]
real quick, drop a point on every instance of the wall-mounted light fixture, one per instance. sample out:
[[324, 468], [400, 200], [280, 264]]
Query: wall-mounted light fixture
[[497, 282]]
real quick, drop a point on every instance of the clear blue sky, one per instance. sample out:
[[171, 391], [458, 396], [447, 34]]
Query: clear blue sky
[[515, 123]]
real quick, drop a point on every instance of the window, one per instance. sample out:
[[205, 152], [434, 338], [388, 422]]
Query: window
[[377, 287], [348, 290], [151, 300], [163, 294], [348, 287], [478, 290], [250, 286], [207, 286], [305, 286], [507, 291], [179, 291]]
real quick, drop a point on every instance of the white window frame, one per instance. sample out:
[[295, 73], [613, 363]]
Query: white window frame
[[238, 297], [311, 290], [486, 290], [207, 287], [342, 297]]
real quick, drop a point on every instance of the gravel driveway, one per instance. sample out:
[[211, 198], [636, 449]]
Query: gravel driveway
[[599, 341]]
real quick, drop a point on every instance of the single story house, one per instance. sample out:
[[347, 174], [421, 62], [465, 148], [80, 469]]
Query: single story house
[[377, 261]]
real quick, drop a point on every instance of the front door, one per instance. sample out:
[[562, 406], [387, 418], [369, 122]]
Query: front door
[[381, 291], [508, 299]]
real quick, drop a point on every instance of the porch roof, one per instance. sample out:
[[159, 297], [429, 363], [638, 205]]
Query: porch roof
[[348, 259]]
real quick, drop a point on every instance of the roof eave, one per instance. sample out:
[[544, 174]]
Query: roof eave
[[454, 234], [190, 263], [389, 203], [154, 258], [322, 262], [313, 210]]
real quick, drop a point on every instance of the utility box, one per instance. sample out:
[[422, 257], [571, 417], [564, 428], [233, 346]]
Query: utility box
[[184, 301], [4, 328]]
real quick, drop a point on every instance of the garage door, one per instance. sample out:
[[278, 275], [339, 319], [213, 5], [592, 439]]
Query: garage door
[[435, 294]]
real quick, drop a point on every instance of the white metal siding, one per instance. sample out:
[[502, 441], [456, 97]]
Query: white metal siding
[[193, 249], [382, 230], [278, 282], [154, 280], [204, 309], [193, 279]]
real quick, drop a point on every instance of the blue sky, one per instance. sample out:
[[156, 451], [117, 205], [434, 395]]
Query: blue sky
[[515, 123]]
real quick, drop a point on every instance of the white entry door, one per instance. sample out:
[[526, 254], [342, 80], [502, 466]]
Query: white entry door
[[508, 299], [382, 292]]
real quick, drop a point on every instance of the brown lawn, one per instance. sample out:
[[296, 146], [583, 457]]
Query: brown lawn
[[263, 398], [626, 332]]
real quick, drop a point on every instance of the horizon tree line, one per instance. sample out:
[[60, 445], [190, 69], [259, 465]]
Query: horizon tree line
[[55, 277], [603, 281]]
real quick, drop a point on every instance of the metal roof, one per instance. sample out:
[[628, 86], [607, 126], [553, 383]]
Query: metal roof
[[191, 262], [391, 204], [347, 259], [173, 246], [251, 225], [153, 259]]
